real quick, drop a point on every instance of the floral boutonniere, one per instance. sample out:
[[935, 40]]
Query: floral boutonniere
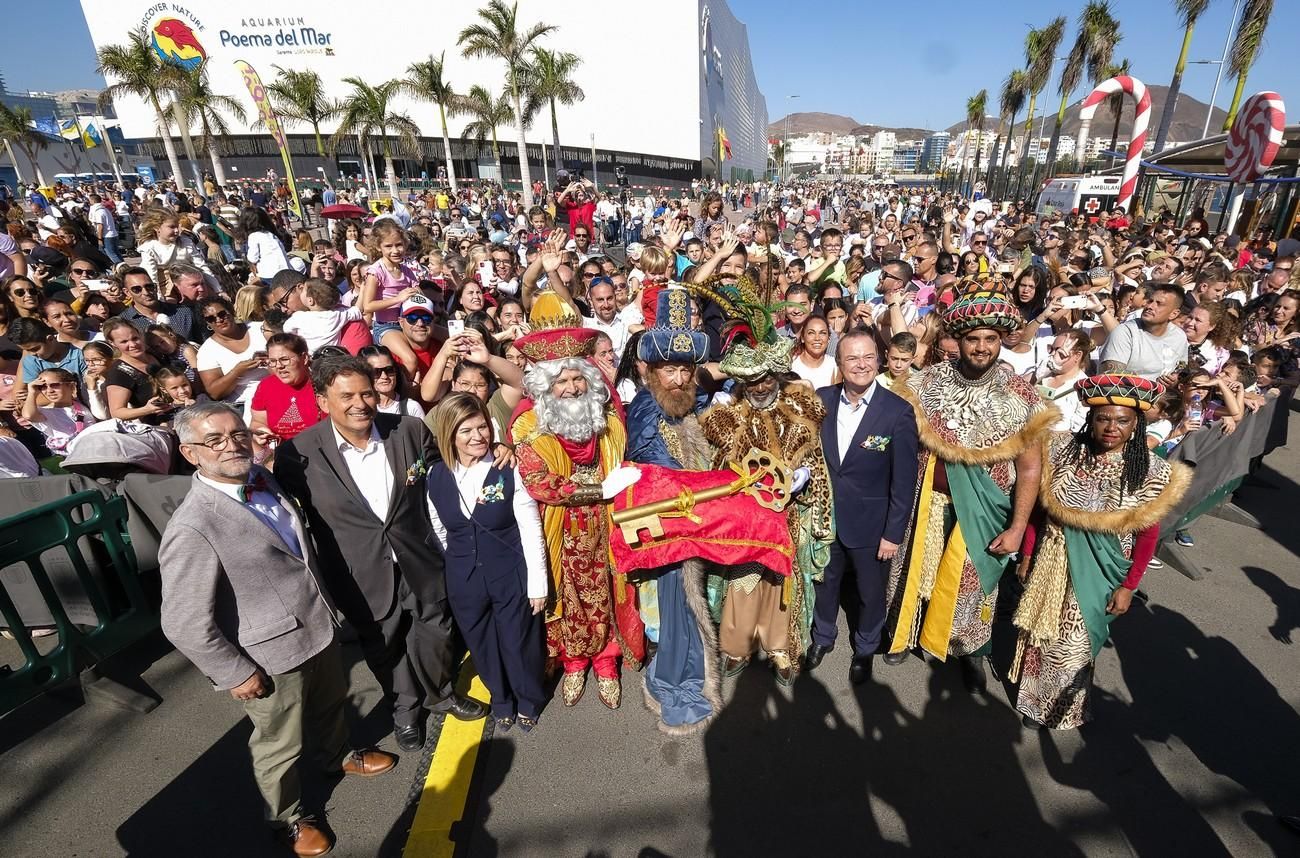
[[876, 442], [416, 471], [493, 493]]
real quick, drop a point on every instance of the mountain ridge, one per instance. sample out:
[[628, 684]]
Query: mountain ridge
[[1188, 120]]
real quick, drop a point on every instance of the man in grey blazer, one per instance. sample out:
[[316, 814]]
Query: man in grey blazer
[[359, 477], [242, 600]]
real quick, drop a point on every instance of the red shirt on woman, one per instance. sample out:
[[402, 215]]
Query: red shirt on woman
[[289, 410]]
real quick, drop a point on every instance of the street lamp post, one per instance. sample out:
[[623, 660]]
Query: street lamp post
[[785, 156], [1209, 113], [1223, 60]]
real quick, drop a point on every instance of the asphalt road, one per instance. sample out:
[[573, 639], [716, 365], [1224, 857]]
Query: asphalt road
[[1192, 752]]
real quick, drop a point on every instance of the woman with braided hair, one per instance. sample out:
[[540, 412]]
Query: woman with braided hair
[[1102, 497]]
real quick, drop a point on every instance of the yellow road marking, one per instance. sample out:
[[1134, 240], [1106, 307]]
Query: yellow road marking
[[446, 786]]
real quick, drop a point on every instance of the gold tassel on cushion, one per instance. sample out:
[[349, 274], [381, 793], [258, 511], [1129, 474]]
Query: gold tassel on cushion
[[1039, 612]]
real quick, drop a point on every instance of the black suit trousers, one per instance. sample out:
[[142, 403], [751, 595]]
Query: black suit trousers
[[412, 653], [858, 578]]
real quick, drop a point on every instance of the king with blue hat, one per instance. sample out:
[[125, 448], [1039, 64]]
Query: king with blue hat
[[682, 679]]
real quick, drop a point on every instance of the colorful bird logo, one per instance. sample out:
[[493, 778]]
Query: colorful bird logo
[[175, 43]]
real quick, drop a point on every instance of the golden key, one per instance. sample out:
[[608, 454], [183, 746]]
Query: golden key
[[760, 475]]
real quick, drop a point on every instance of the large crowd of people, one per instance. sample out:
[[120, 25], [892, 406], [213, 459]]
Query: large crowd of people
[[418, 422]]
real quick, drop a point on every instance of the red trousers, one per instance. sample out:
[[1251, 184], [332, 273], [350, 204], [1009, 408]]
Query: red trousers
[[604, 662]]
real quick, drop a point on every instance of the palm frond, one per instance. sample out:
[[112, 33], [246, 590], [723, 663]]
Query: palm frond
[[976, 109], [1040, 53], [1103, 37], [1190, 10], [1250, 35], [1115, 101], [1013, 94]]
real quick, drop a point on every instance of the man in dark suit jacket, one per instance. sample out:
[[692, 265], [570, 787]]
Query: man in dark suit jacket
[[869, 438], [360, 478]]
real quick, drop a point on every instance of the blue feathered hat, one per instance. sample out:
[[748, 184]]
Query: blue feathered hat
[[670, 338]]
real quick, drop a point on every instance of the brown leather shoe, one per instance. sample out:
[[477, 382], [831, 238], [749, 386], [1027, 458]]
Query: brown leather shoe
[[307, 839], [369, 763]]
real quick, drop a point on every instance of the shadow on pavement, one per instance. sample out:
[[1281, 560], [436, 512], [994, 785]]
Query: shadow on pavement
[[214, 808], [1201, 690], [1285, 598], [1114, 766], [469, 834], [126, 667], [794, 776], [1273, 505]]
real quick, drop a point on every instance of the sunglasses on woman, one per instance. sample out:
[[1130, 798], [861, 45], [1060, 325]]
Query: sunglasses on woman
[[219, 316]]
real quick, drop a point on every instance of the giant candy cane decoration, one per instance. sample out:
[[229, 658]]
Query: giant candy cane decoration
[[1137, 139]]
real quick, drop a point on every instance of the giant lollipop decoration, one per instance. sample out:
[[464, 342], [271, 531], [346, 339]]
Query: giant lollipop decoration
[[1137, 90], [1255, 137]]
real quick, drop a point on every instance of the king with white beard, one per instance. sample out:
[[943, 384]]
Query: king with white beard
[[570, 442]]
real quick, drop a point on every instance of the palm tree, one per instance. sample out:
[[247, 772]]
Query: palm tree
[[1115, 103], [1010, 100], [780, 149], [1040, 54], [199, 105], [1189, 11], [486, 114], [975, 108], [140, 73], [426, 81], [1250, 34], [367, 111], [1093, 46], [551, 81], [299, 96], [16, 130], [499, 36]]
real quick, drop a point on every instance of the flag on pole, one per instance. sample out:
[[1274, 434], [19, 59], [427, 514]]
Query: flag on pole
[[724, 145], [267, 114], [68, 129], [91, 136], [47, 126]]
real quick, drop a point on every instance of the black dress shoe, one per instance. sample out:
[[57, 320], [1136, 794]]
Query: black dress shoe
[[894, 659], [972, 673], [816, 652], [860, 670], [410, 737], [1030, 724], [462, 708]]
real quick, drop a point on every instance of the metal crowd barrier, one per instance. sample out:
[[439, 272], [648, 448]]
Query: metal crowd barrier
[[1222, 462], [50, 536]]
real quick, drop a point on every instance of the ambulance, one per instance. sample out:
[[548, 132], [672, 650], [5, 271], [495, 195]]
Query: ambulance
[[1087, 195]]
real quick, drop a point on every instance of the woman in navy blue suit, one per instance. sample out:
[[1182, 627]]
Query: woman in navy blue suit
[[491, 534]]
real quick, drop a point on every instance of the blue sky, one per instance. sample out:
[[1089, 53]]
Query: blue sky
[[881, 62]]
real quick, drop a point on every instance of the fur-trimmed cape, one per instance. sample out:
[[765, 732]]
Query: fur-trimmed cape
[[1118, 521], [1036, 427]]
